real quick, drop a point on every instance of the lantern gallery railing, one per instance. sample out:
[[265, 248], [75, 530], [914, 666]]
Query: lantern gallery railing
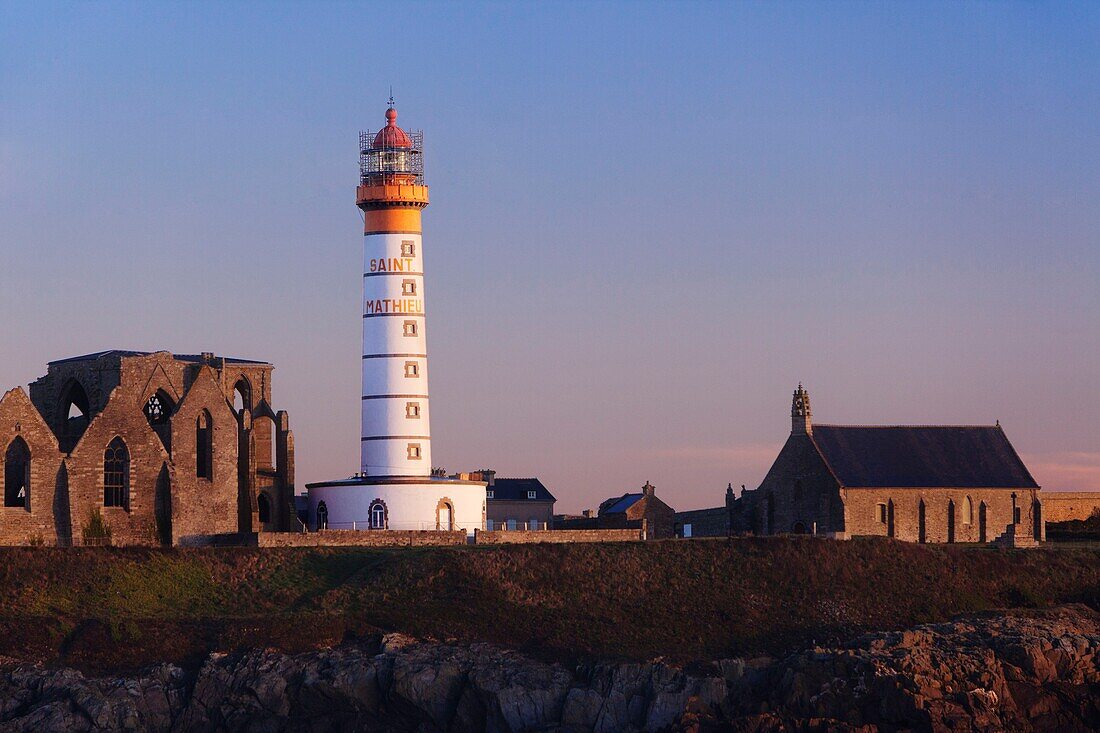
[[377, 165]]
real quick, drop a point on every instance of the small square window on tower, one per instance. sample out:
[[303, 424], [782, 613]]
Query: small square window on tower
[[412, 410], [408, 248], [412, 369], [410, 328], [414, 451], [408, 287]]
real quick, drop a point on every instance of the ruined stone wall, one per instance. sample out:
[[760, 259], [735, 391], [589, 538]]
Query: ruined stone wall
[[149, 471], [483, 537], [168, 498], [1063, 506], [200, 505], [362, 538], [44, 518], [862, 513]]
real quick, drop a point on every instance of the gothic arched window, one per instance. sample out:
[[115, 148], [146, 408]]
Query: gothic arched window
[[17, 474], [158, 411], [158, 408], [116, 475], [74, 410], [242, 395], [322, 515], [968, 511], [204, 446]]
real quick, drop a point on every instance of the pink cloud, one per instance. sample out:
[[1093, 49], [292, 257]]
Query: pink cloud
[[751, 455], [1065, 470]]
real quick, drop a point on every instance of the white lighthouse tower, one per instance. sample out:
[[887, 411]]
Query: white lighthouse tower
[[396, 437], [395, 488]]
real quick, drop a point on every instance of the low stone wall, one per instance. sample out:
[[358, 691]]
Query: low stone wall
[[1063, 506], [484, 537], [363, 538]]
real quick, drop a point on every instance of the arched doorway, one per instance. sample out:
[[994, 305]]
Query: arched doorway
[[1037, 520], [950, 521], [263, 509], [799, 528], [444, 515], [981, 523], [890, 518], [378, 515], [922, 531], [322, 515]]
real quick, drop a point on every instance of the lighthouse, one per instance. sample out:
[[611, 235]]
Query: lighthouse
[[395, 488], [396, 434]]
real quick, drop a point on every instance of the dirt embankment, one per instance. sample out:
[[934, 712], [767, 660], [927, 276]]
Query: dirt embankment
[[112, 610]]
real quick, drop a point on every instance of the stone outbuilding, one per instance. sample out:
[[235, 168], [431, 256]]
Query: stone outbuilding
[[628, 511], [126, 447], [660, 518], [913, 483], [515, 503]]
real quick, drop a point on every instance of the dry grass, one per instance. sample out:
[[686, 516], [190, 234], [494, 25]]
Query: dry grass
[[111, 608]]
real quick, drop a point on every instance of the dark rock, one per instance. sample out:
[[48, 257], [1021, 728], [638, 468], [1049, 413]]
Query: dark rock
[[1018, 672]]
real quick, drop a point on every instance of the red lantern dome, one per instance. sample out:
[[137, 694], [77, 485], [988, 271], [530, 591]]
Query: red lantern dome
[[391, 136]]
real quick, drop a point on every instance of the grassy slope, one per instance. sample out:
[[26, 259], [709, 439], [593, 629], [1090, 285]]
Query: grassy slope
[[681, 599]]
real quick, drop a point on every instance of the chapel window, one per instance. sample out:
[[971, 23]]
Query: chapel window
[[116, 475], [204, 447]]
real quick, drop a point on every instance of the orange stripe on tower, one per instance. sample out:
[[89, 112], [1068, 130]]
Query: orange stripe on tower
[[391, 220]]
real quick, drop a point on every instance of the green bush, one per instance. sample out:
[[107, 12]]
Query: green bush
[[96, 531]]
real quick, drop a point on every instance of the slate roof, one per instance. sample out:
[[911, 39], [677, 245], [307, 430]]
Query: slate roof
[[617, 506], [194, 358], [515, 489], [922, 457]]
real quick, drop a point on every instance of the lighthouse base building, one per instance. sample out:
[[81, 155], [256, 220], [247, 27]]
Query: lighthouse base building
[[397, 502], [396, 489]]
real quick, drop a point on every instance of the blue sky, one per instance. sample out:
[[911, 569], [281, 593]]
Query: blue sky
[[648, 221]]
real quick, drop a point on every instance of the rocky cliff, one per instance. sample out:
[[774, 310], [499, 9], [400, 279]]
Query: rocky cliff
[[1015, 672]]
